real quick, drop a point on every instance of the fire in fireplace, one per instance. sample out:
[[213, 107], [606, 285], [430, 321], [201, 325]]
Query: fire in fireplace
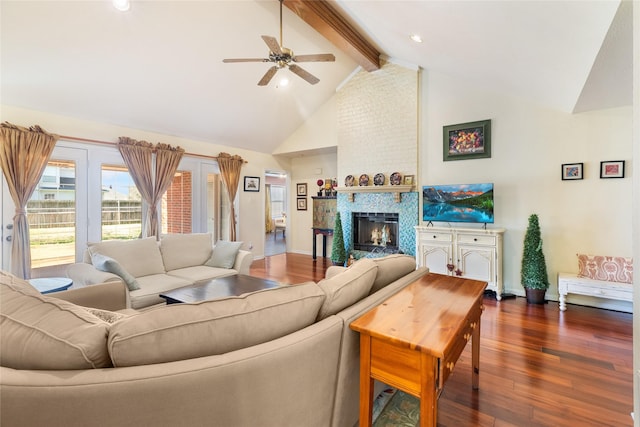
[[375, 231]]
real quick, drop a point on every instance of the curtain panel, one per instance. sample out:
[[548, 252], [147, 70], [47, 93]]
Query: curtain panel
[[24, 155], [230, 167], [151, 182], [268, 222]]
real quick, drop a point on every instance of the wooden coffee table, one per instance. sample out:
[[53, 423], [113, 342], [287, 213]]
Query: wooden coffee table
[[413, 339], [222, 287]]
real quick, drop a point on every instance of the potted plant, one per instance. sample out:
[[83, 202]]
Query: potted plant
[[338, 254], [533, 272]]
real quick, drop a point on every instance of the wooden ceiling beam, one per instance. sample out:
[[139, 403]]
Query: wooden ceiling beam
[[324, 19]]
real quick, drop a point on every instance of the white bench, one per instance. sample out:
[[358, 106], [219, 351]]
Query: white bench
[[572, 284]]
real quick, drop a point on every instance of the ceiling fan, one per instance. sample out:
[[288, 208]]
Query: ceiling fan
[[283, 58]]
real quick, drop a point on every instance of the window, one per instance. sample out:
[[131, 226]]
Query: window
[[121, 214], [278, 206], [51, 212]]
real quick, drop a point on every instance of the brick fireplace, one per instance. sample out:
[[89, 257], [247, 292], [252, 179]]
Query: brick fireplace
[[379, 208]]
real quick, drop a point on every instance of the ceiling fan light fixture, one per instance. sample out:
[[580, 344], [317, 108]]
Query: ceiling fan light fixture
[[284, 82], [416, 38], [122, 5]]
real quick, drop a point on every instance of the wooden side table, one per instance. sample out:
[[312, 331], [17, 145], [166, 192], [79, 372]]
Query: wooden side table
[[47, 285], [413, 340]]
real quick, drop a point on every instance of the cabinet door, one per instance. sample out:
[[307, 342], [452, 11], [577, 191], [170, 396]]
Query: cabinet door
[[436, 256], [477, 263]]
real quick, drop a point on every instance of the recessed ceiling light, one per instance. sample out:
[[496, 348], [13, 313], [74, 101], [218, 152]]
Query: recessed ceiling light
[[121, 5], [416, 38]]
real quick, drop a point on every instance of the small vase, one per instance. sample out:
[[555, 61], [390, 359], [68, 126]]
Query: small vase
[[535, 296]]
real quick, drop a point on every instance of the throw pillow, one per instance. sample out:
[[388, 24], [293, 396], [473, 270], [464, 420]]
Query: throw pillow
[[110, 265], [224, 254], [607, 268], [41, 332], [348, 287]]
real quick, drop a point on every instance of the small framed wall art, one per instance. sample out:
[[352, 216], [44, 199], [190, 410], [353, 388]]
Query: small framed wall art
[[572, 171], [301, 189], [612, 169], [251, 183], [302, 204], [467, 141]]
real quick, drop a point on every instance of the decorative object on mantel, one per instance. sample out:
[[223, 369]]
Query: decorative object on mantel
[[533, 272], [612, 169], [396, 179], [364, 180], [320, 184], [378, 179], [467, 141], [408, 180], [349, 181], [571, 171], [395, 189]]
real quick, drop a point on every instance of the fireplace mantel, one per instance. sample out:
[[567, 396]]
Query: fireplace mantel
[[396, 189]]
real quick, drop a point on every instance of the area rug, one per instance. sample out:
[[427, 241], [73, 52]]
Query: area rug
[[402, 410]]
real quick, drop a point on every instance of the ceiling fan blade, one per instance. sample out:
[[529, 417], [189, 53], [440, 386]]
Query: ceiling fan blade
[[245, 60], [268, 76], [320, 57], [273, 44], [310, 78]]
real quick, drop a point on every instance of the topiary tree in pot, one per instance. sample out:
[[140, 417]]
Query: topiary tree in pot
[[533, 272], [338, 254]]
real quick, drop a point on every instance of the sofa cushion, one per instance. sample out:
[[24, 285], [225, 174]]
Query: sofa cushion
[[201, 272], [224, 254], [185, 250], [185, 331], [41, 332], [152, 286], [391, 268], [347, 287], [110, 265], [140, 257]]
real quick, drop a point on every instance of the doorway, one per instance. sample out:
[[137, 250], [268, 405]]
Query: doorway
[[275, 240]]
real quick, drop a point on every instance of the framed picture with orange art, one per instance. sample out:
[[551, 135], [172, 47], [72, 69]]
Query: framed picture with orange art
[[467, 141]]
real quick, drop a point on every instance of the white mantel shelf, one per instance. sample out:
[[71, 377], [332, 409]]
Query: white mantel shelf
[[396, 189]]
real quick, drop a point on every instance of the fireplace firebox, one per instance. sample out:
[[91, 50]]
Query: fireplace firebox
[[375, 231]]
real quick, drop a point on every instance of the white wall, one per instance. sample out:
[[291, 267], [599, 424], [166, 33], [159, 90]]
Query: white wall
[[528, 145], [251, 205]]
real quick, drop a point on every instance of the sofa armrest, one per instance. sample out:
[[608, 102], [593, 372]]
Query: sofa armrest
[[110, 296], [243, 262], [84, 274]]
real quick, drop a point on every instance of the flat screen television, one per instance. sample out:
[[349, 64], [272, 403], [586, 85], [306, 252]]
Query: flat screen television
[[458, 203]]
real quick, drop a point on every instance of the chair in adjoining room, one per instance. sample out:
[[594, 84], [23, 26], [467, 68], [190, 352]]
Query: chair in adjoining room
[[280, 225]]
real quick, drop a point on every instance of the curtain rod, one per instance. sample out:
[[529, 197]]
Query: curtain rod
[[96, 141]]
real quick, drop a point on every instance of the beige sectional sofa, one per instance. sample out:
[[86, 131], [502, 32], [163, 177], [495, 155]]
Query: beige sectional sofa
[[278, 357], [175, 261]]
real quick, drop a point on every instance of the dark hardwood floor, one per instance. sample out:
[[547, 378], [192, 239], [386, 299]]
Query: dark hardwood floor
[[538, 366]]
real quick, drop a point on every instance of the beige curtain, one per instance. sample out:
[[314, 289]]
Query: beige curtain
[[24, 156], [138, 156], [230, 170], [268, 222], [167, 161]]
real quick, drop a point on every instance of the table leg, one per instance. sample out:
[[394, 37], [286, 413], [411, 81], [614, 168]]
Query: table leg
[[314, 245], [475, 356], [366, 382], [428, 394], [324, 246]]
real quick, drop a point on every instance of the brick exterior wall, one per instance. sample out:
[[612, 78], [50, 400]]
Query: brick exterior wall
[[177, 210]]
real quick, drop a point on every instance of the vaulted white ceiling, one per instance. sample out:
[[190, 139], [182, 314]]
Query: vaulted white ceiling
[[158, 67]]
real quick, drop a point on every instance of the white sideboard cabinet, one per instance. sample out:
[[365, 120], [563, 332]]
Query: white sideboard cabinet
[[466, 252]]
